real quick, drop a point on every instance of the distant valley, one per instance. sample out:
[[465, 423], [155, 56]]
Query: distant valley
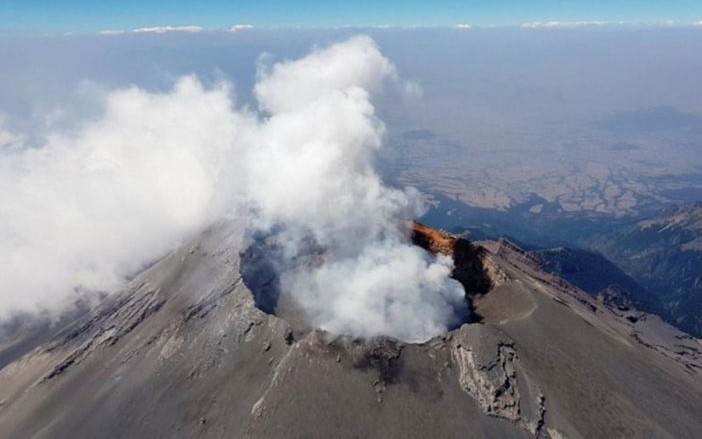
[[652, 262]]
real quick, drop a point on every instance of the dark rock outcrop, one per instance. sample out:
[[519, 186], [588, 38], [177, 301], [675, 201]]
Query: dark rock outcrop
[[468, 268]]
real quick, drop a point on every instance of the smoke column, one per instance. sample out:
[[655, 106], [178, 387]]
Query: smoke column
[[91, 205]]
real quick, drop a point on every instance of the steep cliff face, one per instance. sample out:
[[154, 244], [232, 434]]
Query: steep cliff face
[[469, 266], [186, 351]]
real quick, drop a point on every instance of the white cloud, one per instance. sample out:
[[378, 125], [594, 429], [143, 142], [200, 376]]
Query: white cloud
[[562, 24], [356, 66], [93, 205], [697, 23], [111, 32], [88, 208], [165, 29], [240, 27], [8, 140], [464, 26]]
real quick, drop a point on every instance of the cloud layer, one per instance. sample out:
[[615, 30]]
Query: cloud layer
[[562, 24], [154, 30], [92, 205], [164, 29]]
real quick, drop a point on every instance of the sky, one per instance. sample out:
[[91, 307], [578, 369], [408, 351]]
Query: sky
[[28, 16]]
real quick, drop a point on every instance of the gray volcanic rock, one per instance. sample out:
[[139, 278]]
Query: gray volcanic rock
[[487, 370], [184, 352]]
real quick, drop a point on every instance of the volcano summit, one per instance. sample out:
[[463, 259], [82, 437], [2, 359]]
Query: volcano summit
[[184, 351]]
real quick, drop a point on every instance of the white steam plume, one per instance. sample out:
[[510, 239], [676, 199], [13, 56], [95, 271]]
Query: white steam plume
[[91, 206]]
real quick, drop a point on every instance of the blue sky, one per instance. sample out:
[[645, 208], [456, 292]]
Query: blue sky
[[93, 15]]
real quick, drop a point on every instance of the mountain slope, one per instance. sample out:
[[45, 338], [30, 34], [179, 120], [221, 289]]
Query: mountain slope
[[185, 352], [598, 277], [664, 254]]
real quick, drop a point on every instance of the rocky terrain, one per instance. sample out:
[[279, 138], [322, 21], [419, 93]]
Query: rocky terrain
[[192, 349]]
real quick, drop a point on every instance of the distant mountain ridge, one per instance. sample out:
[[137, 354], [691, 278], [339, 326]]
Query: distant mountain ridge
[[599, 277], [664, 254], [652, 262]]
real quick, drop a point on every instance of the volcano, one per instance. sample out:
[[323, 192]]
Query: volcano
[[197, 346]]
